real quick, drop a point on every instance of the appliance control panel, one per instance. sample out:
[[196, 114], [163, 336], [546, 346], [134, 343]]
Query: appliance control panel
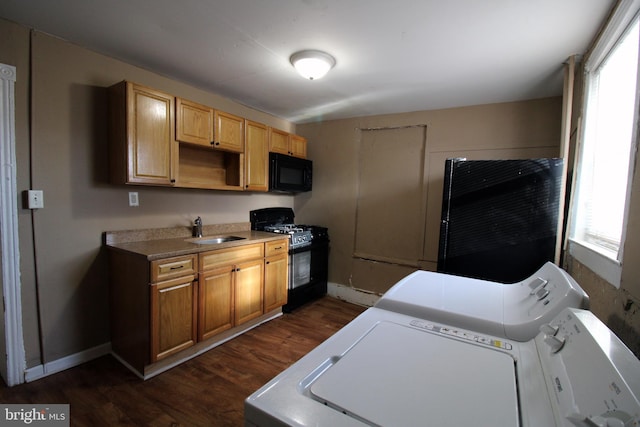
[[594, 376], [538, 299], [462, 334]]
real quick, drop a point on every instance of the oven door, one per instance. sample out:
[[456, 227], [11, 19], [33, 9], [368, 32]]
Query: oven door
[[299, 269]]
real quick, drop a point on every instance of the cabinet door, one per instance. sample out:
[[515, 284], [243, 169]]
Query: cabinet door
[[215, 302], [173, 316], [276, 279], [152, 150], [256, 157], [249, 279], [298, 146], [278, 141], [194, 123], [228, 132]]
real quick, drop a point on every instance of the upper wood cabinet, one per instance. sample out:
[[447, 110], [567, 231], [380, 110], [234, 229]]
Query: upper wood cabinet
[[194, 123], [202, 125], [142, 148], [228, 132], [278, 141], [298, 146], [156, 138], [256, 157], [285, 143]]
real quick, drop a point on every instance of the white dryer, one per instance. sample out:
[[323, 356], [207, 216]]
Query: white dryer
[[514, 310]]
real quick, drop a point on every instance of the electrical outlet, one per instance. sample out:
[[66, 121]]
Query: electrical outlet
[[133, 199], [35, 199]]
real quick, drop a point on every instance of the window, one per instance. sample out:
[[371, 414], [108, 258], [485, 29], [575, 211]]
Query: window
[[607, 151]]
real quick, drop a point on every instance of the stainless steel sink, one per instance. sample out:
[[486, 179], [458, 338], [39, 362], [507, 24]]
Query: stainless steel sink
[[214, 240]]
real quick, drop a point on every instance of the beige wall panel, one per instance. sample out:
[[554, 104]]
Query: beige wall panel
[[390, 211], [631, 256], [532, 127], [377, 277]]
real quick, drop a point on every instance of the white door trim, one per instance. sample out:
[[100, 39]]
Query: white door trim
[[14, 340]]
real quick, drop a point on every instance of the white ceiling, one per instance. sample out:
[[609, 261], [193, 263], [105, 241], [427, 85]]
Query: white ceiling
[[392, 56]]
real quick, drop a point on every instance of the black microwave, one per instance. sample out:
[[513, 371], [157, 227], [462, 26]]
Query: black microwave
[[288, 174]]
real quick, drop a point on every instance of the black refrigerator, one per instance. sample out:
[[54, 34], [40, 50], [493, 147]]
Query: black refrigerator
[[499, 217]]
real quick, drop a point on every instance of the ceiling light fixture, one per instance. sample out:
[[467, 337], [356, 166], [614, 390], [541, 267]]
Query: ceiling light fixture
[[312, 64]]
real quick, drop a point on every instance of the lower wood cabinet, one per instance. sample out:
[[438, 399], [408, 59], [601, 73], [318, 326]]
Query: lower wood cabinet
[[215, 310], [276, 273], [163, 309], [249, 282], [173, 316]]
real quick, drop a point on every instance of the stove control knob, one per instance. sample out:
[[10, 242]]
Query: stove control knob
[[554, 342]]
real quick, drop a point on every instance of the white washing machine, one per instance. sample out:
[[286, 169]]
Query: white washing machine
[[390, 369], [437, 351]]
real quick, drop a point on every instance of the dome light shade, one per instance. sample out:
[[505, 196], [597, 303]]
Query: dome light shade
[[312, 64]]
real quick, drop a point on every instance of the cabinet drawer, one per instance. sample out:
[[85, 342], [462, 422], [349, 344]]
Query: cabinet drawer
[[221, 257], [276, 247], [168, 268]]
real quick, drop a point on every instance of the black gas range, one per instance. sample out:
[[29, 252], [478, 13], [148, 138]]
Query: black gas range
[[308, 253]]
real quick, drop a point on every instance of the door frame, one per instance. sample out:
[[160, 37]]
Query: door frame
[[13, 372]]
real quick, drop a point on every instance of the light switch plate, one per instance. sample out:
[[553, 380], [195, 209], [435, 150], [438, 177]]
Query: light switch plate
[[35, 199]]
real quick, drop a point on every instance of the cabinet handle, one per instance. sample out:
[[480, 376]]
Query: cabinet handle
[[176, 268], [267, 262], [279, 247], [173, 288]]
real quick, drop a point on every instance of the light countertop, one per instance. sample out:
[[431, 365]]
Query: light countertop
[[162, 243]]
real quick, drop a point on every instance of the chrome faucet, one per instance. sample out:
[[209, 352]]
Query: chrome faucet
[[197, 227]]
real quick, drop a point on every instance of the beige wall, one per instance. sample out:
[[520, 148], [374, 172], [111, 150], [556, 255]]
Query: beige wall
[[64, 153], [510, 130], [14, 50]]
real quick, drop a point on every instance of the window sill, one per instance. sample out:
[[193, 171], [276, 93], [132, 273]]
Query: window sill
[[604, 266]]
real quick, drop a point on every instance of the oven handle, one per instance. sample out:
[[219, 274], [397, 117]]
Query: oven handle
[[314, 245]]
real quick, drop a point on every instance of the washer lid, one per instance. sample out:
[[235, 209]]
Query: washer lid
[[400, 376]]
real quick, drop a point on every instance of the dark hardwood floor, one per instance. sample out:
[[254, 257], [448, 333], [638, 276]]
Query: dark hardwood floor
[[206, 391]]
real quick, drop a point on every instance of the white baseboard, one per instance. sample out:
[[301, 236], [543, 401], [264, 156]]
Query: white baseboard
[[352, 295], [40, 371]]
